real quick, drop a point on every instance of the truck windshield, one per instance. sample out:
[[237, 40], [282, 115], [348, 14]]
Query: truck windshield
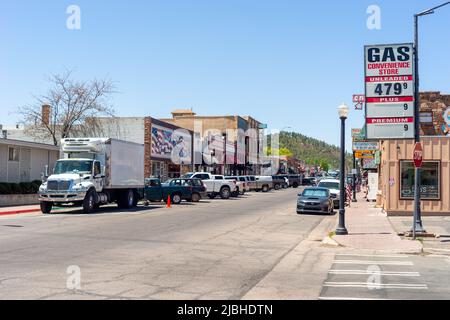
[[73, 167]]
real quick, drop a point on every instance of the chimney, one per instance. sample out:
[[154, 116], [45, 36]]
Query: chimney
[[46, 114]]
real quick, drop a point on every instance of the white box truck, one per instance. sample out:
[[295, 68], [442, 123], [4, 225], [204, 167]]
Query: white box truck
[[94, 172]]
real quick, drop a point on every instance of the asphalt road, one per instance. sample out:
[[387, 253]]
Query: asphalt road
[[218, 249]]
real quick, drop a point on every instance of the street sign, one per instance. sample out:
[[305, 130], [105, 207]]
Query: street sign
[[365, 145], [364, 154], [418, 155], [358, 101], [389, 91]]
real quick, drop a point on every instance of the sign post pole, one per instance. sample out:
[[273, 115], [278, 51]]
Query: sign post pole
[[417, 223]]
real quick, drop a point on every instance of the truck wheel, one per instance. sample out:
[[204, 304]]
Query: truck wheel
[[128, 199], [265, 188], [176, 198], [46, 207], [225, 193], [136, 199], [195, 197], [89, 202], [295, 185], [277, 187]]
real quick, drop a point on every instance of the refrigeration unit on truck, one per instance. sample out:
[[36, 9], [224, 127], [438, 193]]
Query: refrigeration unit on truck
[[94, 172]]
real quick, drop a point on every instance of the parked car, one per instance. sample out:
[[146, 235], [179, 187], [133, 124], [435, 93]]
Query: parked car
[[315, 199], [241, 184], [334, 186], [308, 182], [215, 186], [285, 177], [295, 180], [278, 182], [177, 189], [251, 180], [264, 183]]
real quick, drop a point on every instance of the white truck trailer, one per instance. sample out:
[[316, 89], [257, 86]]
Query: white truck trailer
[[94, 172]]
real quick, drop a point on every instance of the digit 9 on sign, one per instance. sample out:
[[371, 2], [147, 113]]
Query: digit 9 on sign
[[405, 107], [406, 127]]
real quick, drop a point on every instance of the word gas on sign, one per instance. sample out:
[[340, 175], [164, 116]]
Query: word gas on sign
[[389, 91]]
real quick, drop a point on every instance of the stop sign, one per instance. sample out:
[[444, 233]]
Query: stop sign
[[418, 155]]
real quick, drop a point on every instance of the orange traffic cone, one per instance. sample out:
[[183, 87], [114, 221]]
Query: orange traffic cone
[[168, 201]]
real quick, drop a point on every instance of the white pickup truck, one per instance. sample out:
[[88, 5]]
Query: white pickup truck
[[216, 185]]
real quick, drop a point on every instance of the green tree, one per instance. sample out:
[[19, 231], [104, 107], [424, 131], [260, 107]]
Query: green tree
[[324, 165]]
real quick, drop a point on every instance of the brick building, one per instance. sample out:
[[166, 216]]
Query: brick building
[[235, 142]]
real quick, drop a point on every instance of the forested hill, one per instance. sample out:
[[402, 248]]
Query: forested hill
[[312, 151]]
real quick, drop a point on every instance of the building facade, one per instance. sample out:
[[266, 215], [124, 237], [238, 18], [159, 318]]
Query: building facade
[[231, 145], [396, 174], [22, 161]]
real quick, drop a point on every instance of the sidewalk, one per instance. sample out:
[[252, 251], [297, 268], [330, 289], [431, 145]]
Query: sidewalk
[[370, 229], [19, 209]]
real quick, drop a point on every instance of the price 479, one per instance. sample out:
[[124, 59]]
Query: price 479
[[388, 89]]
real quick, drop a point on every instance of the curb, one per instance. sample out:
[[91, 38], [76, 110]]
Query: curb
[[6, 213]]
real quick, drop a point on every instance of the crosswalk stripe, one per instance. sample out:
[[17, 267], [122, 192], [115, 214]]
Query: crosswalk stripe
[[374, 262], [382, 273], [376, 285], [371, 255], [351, 298]]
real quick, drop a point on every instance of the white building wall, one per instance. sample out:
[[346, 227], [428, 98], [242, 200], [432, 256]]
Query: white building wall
[[130, 129], [31, 164], [39, 159], [3, 163]]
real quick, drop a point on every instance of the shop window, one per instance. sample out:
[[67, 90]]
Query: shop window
[[13, 154], [156, 169], [430, 181]]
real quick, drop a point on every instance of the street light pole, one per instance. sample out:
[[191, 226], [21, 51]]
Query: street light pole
[[341, 229], [354, 178], [417, 224]]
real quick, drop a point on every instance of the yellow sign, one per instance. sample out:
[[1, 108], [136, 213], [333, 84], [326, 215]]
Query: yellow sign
[[365, 154]]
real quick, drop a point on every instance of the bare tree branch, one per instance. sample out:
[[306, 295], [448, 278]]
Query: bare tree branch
[[74, 108]]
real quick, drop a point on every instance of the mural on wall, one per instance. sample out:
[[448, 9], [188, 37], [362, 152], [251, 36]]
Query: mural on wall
[[171, 144], [445, 127], [435, 114]]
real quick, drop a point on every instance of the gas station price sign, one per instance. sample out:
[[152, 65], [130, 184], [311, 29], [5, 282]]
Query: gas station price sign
[[389, 83]]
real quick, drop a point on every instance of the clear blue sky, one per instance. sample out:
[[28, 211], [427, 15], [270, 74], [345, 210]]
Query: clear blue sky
[[287, 63]]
